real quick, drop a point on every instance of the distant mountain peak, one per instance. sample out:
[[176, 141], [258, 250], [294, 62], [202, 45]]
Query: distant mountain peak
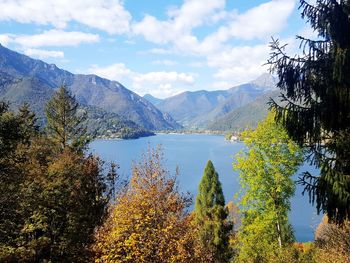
[[265, 80]]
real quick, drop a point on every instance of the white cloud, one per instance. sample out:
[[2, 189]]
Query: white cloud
[[159, 83], [308, 32], [164, 62], [240, 55], [196, 64], [181, 21], [222, 85], [162, 84], [260, 22], [239, 64], [106, 15], [42, 54], [177, 29], [194, 13], [5, 40], [118, 72], [56, 38], [164, 76], [160, 51]]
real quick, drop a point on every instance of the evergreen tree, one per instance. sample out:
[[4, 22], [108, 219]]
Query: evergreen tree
[[10, 179], [28, 123], [211, 215], [316, 109], [64, 121], [266, 168], [50, 201]]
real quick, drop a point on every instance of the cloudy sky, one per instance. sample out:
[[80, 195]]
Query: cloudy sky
[[161, 47]]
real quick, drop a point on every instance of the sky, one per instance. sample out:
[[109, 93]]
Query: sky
[[161, 47]]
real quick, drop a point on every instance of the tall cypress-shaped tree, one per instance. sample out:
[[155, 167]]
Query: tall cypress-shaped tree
[[64, 122], [211, 215], [316, 112]]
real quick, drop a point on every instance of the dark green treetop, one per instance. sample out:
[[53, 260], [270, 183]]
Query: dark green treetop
[[316, 109], [64, 121], [211, 216]]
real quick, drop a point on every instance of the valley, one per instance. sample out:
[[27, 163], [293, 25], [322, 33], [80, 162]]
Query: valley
[[116, 112]]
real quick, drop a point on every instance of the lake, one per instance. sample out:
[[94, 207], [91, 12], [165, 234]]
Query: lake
[[190, 152]]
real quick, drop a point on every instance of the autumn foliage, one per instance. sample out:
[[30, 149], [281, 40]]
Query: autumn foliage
[[148, 222]]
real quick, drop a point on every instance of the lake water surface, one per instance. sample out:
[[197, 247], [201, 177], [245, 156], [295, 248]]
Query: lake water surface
[[190, 152]]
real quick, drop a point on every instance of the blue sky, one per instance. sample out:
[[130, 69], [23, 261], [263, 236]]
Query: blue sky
[[161, 47]]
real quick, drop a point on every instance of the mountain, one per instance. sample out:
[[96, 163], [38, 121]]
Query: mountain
[[99, 122], [155, 101], [27, 79], [102, 124], [265, 80], [246, 116], [18, 90], [197, 109], [186, 106]]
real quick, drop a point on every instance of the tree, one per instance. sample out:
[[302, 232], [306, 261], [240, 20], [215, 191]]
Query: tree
[[10, 179], [148, 222], [64, 122], [266, 167], [211, 215], [28, 123], [332, 242], [316, 110], [50, 201], [64, 197]]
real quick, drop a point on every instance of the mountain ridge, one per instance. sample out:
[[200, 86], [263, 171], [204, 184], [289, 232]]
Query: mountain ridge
[[195, 109], [90, 90]]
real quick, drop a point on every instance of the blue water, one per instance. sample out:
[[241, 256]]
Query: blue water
[[190, 154]]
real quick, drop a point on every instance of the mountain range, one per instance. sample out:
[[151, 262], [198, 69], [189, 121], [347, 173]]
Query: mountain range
[[246, 116], [113, 109], [200, 109], [25, 79]]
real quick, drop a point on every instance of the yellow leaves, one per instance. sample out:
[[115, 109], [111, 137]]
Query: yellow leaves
[[148, 222], [265, 171]]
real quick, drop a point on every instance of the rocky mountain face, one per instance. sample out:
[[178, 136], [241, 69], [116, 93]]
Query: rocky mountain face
[[25, 79], [246, 116], [200, 108], [155, 101]]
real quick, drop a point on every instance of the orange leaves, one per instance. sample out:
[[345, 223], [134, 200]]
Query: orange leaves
[[148, 223]]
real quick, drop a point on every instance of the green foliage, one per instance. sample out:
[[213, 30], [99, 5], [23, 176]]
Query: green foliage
[[64, 121], [69, 196], [211, 215], [102, 124], [10, 178], [245, 117], [266, 167], [50, 201], [228, 136], [317, 109]]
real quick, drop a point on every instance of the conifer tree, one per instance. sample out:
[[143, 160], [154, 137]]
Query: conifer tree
[[28, 125], [64, 122], [211, 215], [10, 179], [316, 109]]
